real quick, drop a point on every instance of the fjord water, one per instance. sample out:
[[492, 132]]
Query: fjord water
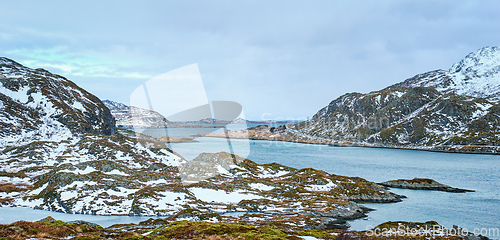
[[14, 214], [480, 209]]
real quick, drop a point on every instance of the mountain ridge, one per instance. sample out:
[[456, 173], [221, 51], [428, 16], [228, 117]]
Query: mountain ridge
[[434, 110]]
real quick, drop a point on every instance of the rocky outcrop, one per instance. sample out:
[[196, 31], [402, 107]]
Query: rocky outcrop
[[259, 127], [422, 184]]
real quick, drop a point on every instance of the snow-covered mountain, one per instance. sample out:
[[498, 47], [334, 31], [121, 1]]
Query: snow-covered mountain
[[59, 149], [438, 110], [477, 75], [134, 117]]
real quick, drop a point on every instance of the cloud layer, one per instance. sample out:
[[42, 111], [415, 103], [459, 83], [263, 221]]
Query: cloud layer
[[280, 58]]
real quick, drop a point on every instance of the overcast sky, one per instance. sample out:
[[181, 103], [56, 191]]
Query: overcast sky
[[283, 59]]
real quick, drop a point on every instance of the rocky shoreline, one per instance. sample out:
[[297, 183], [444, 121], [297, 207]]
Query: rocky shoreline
[[422, 184], [160, 229], [290, 135], [151, 140]]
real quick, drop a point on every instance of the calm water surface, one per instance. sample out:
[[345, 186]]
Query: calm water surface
[[11, 214]]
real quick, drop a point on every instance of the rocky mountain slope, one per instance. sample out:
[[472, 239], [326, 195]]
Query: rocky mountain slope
[[130, 116], [36, 99], [55, 137], [60, 151], [454, 110]]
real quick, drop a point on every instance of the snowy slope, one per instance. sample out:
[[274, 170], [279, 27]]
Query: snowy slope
[[34, 99], [477, 75], [59, 143]]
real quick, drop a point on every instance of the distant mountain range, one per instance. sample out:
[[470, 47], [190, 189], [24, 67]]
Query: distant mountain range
[[235, 121], [433, 110], [214, 121], [134, 117], [129, 117]]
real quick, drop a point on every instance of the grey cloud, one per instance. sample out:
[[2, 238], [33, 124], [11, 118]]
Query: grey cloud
[[288, 58]]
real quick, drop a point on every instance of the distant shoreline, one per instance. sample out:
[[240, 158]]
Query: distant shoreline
[[203, 125], [259, 135]]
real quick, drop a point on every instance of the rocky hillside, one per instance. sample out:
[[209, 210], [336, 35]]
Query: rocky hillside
[[33, 99], [56, 137], [130, 116], [439, 110]]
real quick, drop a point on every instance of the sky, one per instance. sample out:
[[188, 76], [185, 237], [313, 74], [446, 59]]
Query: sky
[[278, 59]]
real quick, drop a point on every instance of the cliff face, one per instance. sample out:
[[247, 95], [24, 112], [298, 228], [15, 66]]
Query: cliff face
[[438, 108]]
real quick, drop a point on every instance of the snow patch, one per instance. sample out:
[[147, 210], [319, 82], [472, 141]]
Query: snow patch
[[210, 195], [77, 171]]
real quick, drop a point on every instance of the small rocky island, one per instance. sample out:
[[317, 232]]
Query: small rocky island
[[422, 184]]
